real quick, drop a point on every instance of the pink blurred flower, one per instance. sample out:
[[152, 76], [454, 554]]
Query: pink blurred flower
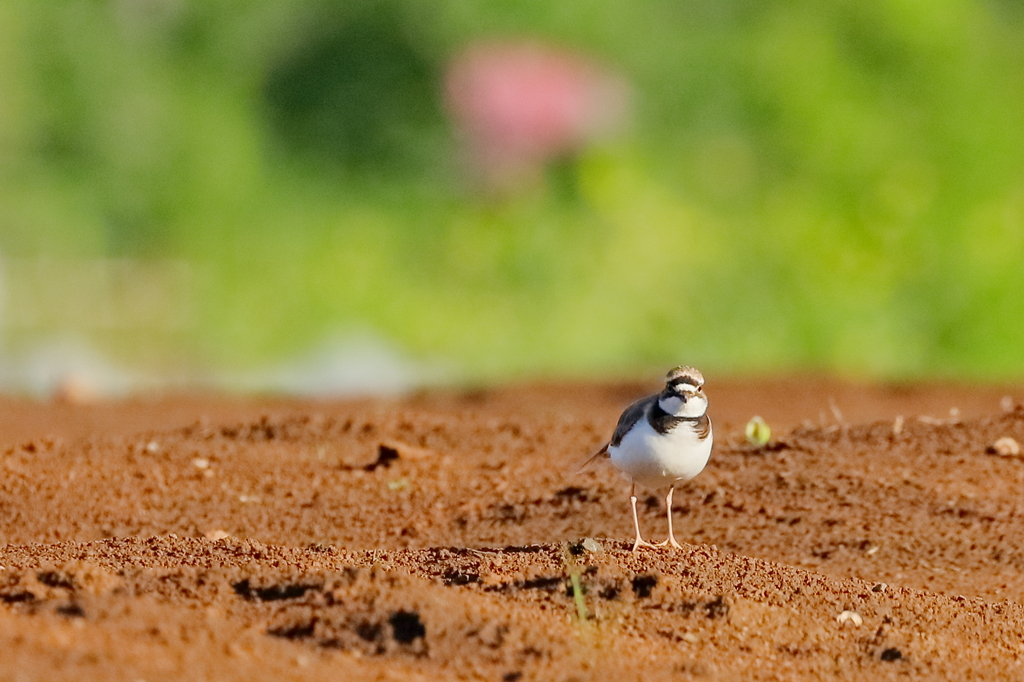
[[518, 105]]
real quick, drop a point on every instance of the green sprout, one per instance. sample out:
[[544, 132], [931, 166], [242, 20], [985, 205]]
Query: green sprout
[[576, 582], [758, 432], [577, 596]]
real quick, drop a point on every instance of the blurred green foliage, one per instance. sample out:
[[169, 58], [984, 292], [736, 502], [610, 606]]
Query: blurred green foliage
[[804, 185]]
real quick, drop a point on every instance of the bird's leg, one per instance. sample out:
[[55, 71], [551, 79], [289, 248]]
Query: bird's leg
[[668, 506], [639, 542], [671, 539]]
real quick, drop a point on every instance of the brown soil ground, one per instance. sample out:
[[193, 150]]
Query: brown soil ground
[[440, 537]]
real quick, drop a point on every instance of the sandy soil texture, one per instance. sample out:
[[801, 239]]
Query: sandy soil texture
[[448, 535]]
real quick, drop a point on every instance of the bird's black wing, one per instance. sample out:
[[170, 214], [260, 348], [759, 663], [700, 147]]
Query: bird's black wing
[[630, 417]]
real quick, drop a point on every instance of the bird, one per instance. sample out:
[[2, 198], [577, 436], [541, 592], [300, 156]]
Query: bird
[[661, 441]]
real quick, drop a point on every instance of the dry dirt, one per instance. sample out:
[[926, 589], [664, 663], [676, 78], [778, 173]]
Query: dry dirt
[[441, 536]]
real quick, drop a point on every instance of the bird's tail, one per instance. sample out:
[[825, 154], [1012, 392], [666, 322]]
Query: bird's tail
[[603, 452]]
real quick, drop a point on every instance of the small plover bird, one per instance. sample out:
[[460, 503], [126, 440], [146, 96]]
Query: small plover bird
[[663, 440]]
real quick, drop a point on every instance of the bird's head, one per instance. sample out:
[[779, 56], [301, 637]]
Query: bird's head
[[683, 395]]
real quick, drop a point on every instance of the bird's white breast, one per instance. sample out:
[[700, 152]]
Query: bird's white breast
[[658, 460]]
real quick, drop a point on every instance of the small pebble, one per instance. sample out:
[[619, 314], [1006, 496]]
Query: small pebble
[[201, 463], [152, 447], [850, 617], [691, 638], [217, 534], [398, 449], [1004, 447], [880, 587], [897, 425], [592, 545]]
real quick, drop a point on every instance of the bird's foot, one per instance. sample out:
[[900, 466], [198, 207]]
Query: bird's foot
[[640, 542], [668, 542]]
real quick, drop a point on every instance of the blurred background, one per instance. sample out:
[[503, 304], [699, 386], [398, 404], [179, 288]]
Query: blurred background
[[332, 197]]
